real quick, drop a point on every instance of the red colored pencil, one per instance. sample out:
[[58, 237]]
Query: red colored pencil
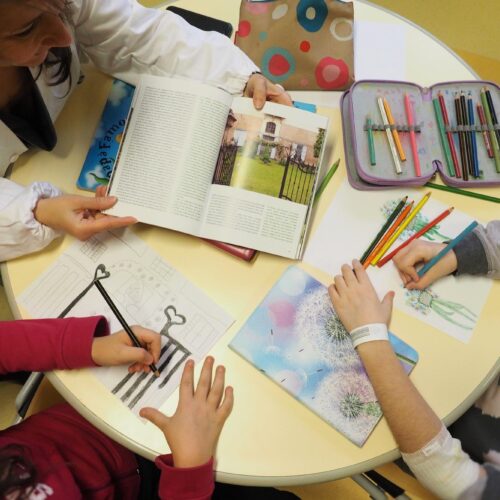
[[390, 232], [451, 142], [486, 137], [426, 228]]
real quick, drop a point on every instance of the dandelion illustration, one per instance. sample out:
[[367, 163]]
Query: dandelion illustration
[[317, 323], [427, 301], [417, 223], [347, 401]]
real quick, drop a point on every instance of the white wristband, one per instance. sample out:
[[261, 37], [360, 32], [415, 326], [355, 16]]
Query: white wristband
[[367, 333]]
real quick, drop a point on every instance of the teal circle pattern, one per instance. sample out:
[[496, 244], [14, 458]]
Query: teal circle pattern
[[266, 59], [320, 10]]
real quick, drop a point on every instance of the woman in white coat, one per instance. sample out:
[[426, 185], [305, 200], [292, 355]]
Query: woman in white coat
[[42, 43]]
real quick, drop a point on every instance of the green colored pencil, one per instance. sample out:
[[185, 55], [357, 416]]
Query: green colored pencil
[[371, 144], [326, 180], [442, 134], [463, 192]]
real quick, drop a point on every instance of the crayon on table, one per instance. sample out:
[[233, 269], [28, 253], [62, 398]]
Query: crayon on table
[[384, 228], [442, 135], [390, 139], [401, 228], [395, 134], [484, 131], [449, 134], [426, 228], [413, 137], [475, 161], [391, 230], [491, 130], [371, 144], [452, 244]]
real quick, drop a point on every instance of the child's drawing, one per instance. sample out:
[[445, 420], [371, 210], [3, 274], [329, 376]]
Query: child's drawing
[[295, 338]]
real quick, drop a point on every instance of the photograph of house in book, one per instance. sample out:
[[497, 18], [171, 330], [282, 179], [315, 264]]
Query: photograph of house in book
[[269, 154]]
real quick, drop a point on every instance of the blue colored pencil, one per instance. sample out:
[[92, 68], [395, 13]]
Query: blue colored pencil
[[475, 161], [452, 244]]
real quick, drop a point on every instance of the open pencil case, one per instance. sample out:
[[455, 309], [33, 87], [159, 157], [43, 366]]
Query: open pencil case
[[360, 111]]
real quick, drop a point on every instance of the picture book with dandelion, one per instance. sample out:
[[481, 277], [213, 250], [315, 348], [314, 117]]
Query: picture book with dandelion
[[296, 339]]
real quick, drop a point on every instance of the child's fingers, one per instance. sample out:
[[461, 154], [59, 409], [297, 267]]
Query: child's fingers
[[227, 404], [205, 380], [360, 271], [217, 390], [186, 388], [332, 291], [348, 274], [340, 284], [155, 417]]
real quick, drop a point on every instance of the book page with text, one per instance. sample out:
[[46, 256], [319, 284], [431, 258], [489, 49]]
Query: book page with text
[[172, 140]]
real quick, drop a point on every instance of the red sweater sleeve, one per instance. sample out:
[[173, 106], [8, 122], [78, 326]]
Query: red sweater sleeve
[[193, 483], [49, 344]]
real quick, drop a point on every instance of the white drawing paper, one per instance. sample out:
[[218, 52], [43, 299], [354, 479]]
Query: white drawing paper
[[147, 291], [452, 304]]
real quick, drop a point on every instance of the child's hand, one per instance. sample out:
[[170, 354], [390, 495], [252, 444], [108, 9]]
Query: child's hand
[[80, 216], [355, 300], [260, 89], [118, 349], [193, 431], [420, 252]]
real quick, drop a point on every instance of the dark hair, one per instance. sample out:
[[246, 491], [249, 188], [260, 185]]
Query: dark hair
[[17, 472], [61, 57]]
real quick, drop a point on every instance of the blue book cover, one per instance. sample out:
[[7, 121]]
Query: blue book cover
[[98, 165], [295, 338]]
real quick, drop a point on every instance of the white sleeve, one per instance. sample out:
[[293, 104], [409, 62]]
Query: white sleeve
[[126, 39], [20, 232]]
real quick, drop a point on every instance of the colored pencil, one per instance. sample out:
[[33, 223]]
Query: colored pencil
[[452, 244], [401, 228], [326, 179], [492, 113], [426, 228], [371, 144], [390, 139], [484, 127], [413, 137], [384, 228], [463, 192], [475, 161], [122, 321], [442, 135], [395, 134], [491, 130], [390, 232], [468, 140], [461, 139], [449, 134]]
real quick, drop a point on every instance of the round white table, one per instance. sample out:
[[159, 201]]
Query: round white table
[[270, 438]]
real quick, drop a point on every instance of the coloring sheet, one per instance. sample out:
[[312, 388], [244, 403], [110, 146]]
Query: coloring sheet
[[295, 338], [147, 291], [452, 304]]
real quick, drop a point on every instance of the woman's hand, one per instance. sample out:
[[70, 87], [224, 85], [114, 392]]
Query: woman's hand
[[80, 216], [355, 300], [118, 349], [193, 431], [260, 89], [420, 252]]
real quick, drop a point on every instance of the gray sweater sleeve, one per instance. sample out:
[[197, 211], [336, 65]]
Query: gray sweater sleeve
[[479, 252]]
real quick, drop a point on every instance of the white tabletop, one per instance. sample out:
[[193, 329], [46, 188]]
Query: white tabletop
[[270, 439]]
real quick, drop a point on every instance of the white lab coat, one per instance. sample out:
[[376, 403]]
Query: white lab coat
[[125, 39]]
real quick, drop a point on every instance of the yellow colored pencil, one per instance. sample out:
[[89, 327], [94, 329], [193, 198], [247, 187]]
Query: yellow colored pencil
[[401, 228], [395, 134]]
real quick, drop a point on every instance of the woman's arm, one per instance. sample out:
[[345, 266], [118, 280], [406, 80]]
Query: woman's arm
[[126, 39]]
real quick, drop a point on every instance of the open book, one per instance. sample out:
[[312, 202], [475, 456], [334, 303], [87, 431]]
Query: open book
[[195, 159]]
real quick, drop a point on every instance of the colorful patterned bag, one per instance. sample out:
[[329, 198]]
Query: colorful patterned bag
[[300, 44]]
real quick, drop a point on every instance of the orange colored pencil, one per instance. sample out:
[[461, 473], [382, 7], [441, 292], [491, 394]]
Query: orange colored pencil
[[395, 134], [390, 232], [426, 228]]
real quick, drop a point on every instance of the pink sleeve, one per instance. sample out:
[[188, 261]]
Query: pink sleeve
[[49, 344], [194, 483]]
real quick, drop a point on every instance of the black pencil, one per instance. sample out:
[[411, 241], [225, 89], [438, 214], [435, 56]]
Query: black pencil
[[384, 228], [492, 112], [122, 321], [461, 139], [467, 134]]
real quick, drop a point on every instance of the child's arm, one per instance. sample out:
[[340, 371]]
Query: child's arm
[[435, 458], [192, 433], [50, 344], [478, 253]]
